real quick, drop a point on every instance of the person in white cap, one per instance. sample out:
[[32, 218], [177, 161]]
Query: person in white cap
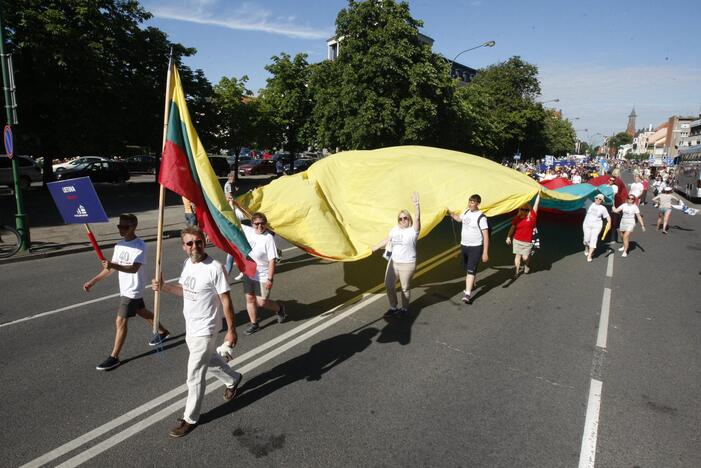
[[664, 203], [593, 222]]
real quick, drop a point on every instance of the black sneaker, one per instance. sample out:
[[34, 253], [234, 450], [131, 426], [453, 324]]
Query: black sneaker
[[109, 363], [158, 339], [402, 313], [281, 315], [391, 312], [252, 329]]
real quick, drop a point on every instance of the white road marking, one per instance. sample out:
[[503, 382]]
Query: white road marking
[[602, 336], [63, 309], [609, 267], [587, 453], [81, 304], [178, 405]]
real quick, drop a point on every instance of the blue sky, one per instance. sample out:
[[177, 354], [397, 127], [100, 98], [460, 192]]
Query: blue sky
[[599, 58]]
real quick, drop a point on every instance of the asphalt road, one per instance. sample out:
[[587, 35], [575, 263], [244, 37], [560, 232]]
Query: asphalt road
[[506, 381]]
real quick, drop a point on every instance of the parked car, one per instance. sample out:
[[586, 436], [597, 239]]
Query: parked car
[[28, 171], [142, 163], [283, 163], [77, 162], [98, 171], [302, 164], [220, 165], [257, 166], [242, 160]]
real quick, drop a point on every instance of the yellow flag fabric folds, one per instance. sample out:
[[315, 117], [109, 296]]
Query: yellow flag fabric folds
[[346, 203]]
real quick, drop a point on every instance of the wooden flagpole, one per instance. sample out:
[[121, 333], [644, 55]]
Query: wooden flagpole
[[161, 199]]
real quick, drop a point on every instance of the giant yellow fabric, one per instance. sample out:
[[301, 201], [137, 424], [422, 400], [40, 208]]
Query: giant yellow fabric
[[346, 203]]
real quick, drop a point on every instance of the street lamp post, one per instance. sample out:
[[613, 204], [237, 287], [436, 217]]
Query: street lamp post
[[484, 44], [550, 100]]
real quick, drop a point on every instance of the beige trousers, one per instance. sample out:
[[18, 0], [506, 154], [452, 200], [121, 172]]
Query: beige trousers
[[403, 271]]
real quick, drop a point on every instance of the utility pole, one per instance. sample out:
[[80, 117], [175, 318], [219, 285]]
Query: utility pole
[[20, 219]]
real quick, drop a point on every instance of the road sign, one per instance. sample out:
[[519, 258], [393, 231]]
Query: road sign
[[77, 201], [549, 160], [517, 156], [9, 146]]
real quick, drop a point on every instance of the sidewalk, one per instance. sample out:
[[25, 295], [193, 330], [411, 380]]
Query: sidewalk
[[51, 237], [51, 241]]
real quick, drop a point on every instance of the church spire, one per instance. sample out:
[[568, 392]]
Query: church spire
[[630, 130]]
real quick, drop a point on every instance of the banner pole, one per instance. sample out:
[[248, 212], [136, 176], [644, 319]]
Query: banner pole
[[161, 199], [95, 247]]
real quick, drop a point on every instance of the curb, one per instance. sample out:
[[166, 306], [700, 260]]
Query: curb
[[23, 257]]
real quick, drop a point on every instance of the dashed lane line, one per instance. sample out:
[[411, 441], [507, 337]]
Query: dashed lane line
[[587, 453]]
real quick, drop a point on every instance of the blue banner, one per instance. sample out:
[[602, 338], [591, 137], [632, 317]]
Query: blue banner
[[77, 201]]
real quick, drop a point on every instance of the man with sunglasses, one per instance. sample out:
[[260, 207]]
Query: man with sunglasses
[[128, 257], [205, 292]]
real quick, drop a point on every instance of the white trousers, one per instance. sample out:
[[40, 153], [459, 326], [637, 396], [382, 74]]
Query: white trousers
[[591, 234], [203, 357]]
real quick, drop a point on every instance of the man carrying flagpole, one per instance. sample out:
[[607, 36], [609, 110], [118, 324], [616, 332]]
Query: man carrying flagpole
[[205, 292]]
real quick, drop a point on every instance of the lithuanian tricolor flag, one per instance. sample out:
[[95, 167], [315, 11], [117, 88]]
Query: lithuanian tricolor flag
[[186, 170]]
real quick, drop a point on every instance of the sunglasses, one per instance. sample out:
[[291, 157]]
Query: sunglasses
[[198, 243], [403, 218], [523, 209], [631, 198], [261, 223]]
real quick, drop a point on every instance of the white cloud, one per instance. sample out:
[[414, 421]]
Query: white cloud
[[246, 18], [602, 97]]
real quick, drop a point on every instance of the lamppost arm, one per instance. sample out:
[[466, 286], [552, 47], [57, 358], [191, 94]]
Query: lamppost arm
[[484, 44]]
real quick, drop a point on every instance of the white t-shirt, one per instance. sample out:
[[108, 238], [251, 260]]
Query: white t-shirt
[[127, 253], [636, 188], [202, 283], [576, 179], [471, 234], [629, 211], [403, 244], [614, 187], [263, 250], [595, 214]]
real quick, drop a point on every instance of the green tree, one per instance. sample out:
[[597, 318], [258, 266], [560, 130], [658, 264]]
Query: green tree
[[286, 102], [236, 114], [503, 97], [559, 135], [386, 87], [90, 79], [618, 140]]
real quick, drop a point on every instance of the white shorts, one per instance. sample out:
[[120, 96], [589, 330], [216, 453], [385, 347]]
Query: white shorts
[[591, 234]]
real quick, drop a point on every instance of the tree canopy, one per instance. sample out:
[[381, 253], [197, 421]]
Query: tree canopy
[[90, 79], [386, 87]]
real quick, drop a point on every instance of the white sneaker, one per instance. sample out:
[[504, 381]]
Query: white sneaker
[[620, 249], [625, 254]]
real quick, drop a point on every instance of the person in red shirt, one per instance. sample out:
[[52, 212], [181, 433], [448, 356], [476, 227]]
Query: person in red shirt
[[646, 185], [520, 235]]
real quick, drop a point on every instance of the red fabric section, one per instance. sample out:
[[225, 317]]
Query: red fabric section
[[175, 175], [556, 183], [622, 194]]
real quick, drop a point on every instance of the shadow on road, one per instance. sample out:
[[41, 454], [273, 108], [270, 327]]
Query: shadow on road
[[311, 366]]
